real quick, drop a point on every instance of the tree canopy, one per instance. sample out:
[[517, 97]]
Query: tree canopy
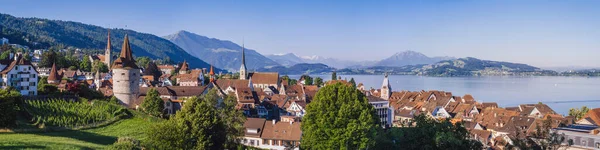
[[9, 99], [205, 122], [153, 104], [578, 113], [318, 81], [339, 117]]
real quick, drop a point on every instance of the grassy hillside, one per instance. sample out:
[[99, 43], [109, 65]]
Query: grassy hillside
[[85, 36], [95, 138]]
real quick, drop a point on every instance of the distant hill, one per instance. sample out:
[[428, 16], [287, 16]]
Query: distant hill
[[302, 68], [85, 36], [475, 67], [290, 59], [286, 60], [409, 58], [223, 54], [458, 67]]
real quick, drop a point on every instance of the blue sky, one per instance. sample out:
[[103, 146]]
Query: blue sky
[[536, 32]]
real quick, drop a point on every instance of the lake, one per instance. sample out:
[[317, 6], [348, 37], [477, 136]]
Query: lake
[[560, 93]]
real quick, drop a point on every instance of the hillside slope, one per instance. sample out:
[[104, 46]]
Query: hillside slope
[[85, 36], [223, 54]]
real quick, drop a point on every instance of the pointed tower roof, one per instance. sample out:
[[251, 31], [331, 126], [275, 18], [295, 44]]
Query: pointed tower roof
[[184, 66], [243, 55], [386, 82], [108, 41], [125, 60], [211, 70], [53, 76]]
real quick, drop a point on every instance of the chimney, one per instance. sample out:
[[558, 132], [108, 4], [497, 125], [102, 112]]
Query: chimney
[[274, 121]]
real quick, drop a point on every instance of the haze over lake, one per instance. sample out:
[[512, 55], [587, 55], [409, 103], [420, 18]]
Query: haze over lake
[[560, 93]]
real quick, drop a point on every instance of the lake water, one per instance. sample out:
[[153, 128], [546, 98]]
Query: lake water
[[560, 93]]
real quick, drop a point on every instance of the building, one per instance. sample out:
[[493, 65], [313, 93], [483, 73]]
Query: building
[[253, 129], [126, 76], [20, 74], [281, 135], [582, 136], [107, 55], [383, 110], [184, 68], [243, 71], [166, 69], [54, 77], [386, 88]]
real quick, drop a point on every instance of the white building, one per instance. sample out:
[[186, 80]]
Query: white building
[[383, 110], [20, 74]]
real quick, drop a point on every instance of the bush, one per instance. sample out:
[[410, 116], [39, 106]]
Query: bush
[[125, 143], [59, 112], [9, 100]]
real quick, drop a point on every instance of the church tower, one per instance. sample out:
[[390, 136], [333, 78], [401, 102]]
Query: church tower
[[386, 88], [126, 76], [212, 74], [243, 71], [107, 56]]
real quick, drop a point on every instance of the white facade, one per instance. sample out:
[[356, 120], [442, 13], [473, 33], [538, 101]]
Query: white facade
[[384, 112], [22, 77], [126, 84]]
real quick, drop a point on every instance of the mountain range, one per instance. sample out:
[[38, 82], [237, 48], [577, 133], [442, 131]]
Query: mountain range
[[409, 58], [290, 59], [36, 31], [221, 53]]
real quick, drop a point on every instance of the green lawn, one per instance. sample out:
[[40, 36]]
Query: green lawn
[[96, 138]]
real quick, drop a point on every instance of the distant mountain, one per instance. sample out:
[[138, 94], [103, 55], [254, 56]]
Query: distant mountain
[[42, 33], [286, 60], [475, 67], [290, 59], [221, 53], [409, 58], [302, 68]]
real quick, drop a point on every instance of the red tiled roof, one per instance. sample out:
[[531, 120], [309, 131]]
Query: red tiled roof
[[282, 131]]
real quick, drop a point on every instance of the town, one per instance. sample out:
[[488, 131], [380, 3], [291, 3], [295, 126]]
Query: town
[[274, 106]]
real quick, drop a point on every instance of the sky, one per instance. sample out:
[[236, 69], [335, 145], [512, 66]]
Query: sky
[[546, 33]]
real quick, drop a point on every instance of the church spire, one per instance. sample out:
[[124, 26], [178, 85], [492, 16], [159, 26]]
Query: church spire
[[243, 70], [107, 55], [386, 88], [212, 74]]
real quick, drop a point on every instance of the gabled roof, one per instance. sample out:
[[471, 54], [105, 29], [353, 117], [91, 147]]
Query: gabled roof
[[593, 116], [246, 95], [264, 77], [18, 61], [282, 131], [254, 123]]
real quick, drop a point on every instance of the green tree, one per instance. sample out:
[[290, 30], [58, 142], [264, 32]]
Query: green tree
[[203, 123], [548, 139], [4, 55], [143, 61], [48, 58], [85, 65], [125, 143], [9, 102], [99, 66], [153, 104], [318, 81], [353, 82], [293, 82], [339, 117], [334, 76], [307, 79], [578, 113]]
